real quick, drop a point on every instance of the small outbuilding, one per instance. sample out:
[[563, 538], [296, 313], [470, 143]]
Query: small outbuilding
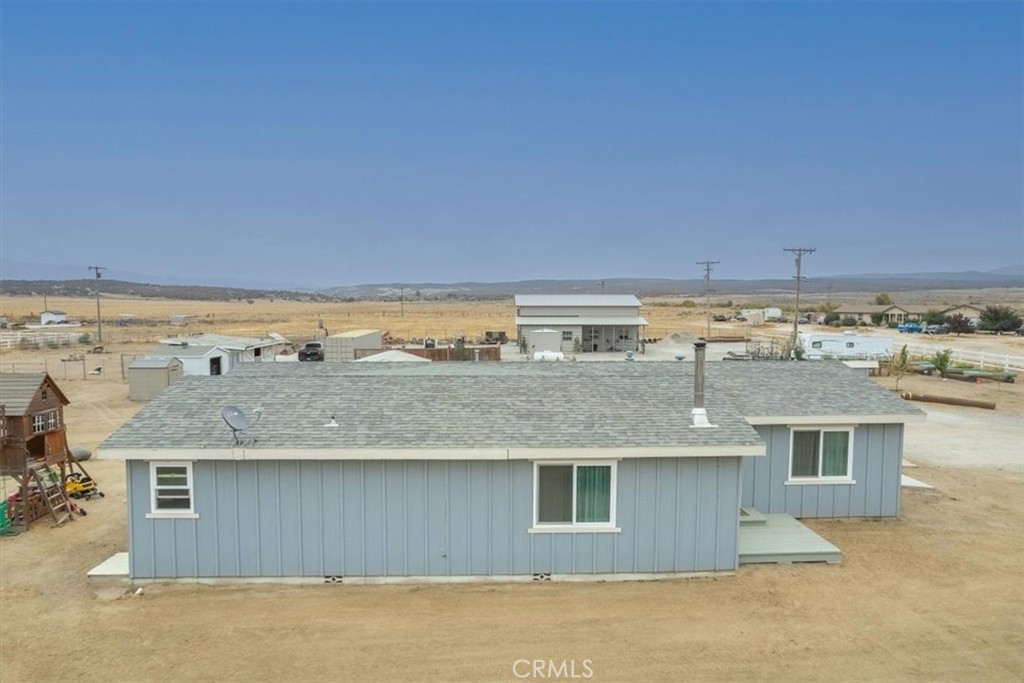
[[540, 341], [148, 376], [339, 348], [53, 318]]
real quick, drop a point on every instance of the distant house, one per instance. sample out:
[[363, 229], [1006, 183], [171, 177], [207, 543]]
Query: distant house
[[893, 313], [970, 311], [53, 318], [180, 319], [499, 471], [587, 322], [215, 354]]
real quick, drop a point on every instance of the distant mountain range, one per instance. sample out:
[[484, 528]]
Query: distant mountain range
[[1007, 277], [55, 280]]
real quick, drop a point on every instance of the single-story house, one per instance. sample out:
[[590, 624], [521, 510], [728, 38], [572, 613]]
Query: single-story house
[[970, 311], [53, 318], [893, 313], [586, 322], [496, 470], [217, 354]]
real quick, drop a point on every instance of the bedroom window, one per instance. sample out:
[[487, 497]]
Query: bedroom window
[[821, 455], [566, 335], [171, 486], [576, 496]]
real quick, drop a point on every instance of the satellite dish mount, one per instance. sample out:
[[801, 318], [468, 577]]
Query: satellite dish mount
[[237, 421]]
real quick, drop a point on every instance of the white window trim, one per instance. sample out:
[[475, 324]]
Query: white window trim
[[574, 528], [821, 429], [171, 514]]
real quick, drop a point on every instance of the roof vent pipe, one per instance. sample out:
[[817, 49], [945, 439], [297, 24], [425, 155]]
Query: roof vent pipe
[[699, 414]]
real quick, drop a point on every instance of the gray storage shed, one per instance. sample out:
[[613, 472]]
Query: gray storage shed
[[342, 347], [148, 376]]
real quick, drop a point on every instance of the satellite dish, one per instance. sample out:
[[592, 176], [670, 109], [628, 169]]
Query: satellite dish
[[235, 419]]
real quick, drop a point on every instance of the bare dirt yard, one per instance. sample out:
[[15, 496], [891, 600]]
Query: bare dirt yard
[[935, 595]]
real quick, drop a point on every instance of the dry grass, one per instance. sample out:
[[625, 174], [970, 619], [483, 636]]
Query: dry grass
[[301, 320]]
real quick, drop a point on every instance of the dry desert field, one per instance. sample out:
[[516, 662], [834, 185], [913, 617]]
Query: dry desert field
[[935, 595]]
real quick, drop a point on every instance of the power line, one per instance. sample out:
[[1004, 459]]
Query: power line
[[799, 251], [99, 319], [707, 290]]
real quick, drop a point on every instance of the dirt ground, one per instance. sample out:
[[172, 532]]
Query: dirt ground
[[935, 595]]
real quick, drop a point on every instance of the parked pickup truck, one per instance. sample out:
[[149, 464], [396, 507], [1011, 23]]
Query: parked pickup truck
[[910, 327], [312, 351]]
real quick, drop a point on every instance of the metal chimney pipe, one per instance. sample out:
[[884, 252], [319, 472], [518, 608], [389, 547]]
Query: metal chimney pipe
[[698, 373], [699, 414]]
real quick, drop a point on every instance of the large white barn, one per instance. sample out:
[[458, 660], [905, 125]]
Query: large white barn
[[587, 322]]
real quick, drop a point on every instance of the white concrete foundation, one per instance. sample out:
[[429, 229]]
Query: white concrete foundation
[[113, 570]]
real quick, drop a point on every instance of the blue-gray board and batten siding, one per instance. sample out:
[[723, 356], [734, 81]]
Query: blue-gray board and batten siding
[[876, 492], [292, 518]]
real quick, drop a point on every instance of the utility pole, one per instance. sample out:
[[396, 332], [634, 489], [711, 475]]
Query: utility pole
[[799, 251], [401, 310], [828, 299], [707, 291], [602, 286], [99, 320]]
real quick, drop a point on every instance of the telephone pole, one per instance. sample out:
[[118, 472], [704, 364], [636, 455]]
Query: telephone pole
[[99, 320], [707, 291], [799, 251], [402, 305]]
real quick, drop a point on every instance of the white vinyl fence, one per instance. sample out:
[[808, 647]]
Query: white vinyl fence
[[982, 359]]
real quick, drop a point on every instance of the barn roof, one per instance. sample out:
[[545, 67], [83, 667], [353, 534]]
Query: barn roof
[[581, 300], [17, 389], [445, 407]]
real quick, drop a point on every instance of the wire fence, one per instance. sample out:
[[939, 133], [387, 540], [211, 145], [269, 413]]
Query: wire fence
[[75, 366]]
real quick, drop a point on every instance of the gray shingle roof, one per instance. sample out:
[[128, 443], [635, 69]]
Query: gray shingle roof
[[496, 405]]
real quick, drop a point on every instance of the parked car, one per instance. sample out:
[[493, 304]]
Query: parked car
[[910, 326], [936, 329], [429, 343], [719, 318], [312, 351]]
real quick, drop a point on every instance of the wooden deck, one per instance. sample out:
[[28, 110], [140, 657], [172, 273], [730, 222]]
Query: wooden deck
[[779, 538]]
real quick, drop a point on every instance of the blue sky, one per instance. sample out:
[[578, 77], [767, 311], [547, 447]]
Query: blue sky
[[325, 143]]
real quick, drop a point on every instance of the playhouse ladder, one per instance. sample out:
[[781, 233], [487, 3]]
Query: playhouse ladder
[[53, 494]]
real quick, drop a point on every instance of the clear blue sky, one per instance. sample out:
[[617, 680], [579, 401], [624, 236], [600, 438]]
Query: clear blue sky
[[324, 143]]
